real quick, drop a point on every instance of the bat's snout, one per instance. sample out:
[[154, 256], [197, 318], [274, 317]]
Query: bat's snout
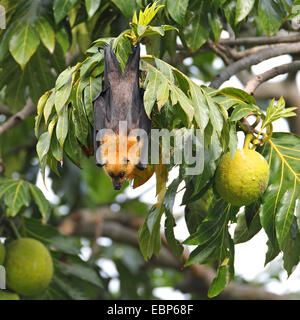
[[117, 185]]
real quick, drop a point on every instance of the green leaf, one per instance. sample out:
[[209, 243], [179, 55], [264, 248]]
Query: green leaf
[[248, 224], [219, 282], [215, 115], [61, 8], [91, 89], [170, 223], [56, 149], [122, 48], [215, 25], [194, 214], [16, 195], [291, 249], [233, 140], [43, 144], [177, 95], [208, 229], [212, 237], [40, 108], [243, 8], [63, 39], [77, 268], [4, 40], [15, 83], [199, 33], [51, 126], [282, 152], [64, 78], [127, 7], [149, 234], [81, 124], [50, 236], [23, 44], [92, 6], [49, 106], [239, 95], [71, 146], [241, 111], [38, 73], [173, 243], [46, 33], [271, 14], [40, 200], [63, 87], [177, 9], [276, 111], [200, 182], [298, 213], [285, 213], [89, 64], [152, 82], [62, 125], [200, 106], [162, 94]]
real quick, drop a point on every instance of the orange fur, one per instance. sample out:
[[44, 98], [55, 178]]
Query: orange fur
[[120, 161]]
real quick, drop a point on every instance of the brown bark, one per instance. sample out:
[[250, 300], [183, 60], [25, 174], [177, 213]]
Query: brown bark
[[18, 117]]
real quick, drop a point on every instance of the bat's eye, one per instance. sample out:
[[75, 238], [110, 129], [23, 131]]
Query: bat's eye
[[111, 175], [122, 174]]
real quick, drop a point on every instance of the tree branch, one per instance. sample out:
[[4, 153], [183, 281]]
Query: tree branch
[[18, 117], [236, 55], [196, 278], [252, 60], [216, 48], [261, 40], [260, 78]]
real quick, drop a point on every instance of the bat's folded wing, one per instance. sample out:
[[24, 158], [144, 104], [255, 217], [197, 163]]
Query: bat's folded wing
[[99, 124]]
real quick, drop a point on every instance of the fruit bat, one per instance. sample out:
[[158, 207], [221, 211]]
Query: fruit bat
[[120, 119]]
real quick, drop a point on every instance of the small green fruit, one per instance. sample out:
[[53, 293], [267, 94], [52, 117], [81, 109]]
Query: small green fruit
[[5, 295], [29, 266], [2, 253], [243, 179]]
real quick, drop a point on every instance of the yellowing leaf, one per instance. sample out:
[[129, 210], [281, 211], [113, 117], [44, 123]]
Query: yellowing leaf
[[142, 176]]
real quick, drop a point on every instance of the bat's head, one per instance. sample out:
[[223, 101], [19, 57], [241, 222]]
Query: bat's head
[[120, 159], [118, 173]]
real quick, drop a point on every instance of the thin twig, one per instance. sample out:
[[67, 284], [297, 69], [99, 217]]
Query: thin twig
[[18, 117], [256, 81], [215, 48], [252, 60]]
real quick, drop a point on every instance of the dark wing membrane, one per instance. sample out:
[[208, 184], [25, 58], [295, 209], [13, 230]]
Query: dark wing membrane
[[99, 123]]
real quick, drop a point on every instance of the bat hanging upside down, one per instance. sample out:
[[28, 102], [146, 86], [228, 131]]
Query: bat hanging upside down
[[121, 126]]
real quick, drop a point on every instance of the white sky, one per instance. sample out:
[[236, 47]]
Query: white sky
[[249, 257]]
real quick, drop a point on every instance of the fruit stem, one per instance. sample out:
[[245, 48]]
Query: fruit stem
[[247, 141], [14, 228]]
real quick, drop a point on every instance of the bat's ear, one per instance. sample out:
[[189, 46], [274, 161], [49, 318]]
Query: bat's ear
[[133, 60], [111, 62], [99, 159], [141, 166]]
